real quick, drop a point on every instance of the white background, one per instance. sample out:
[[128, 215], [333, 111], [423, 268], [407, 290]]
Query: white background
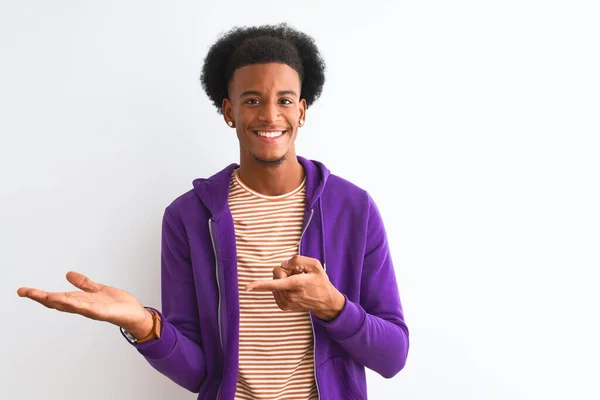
[[474, 125]]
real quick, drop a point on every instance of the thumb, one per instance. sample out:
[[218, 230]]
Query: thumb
[[82, 282]]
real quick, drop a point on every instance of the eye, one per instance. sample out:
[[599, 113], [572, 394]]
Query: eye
[[251, 101], [286, 101]]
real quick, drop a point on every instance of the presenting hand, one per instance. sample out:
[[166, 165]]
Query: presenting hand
[[302, 284], [98, 302]]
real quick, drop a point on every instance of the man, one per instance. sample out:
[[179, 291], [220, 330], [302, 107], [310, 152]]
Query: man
[[277, 279]]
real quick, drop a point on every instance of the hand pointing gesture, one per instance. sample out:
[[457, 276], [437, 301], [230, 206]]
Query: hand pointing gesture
[[302, 284], [98, 302]]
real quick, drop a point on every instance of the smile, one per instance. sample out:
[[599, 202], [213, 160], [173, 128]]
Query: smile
[[269, 134]]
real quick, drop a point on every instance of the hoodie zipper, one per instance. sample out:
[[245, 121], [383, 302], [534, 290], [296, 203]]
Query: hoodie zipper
[[310, 317], [212, 239]]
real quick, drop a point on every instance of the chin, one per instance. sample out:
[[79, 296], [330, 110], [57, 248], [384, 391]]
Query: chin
[[270, 161]]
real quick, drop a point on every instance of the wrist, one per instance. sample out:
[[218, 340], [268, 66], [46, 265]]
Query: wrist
[[336, 305], [142, 328]]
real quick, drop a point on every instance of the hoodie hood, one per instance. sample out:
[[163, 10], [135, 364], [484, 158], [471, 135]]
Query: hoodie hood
[[214, 191]]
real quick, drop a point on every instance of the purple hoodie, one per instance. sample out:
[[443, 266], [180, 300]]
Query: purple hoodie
[[198, 346]]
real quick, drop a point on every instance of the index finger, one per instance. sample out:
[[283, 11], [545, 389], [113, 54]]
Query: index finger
[[280, 284]]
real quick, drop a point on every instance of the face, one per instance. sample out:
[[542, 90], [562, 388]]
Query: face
[[265, 107]]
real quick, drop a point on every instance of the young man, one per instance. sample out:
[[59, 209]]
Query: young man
[[277, 279]]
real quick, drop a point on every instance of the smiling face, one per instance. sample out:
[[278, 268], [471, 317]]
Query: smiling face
[[265, 107]]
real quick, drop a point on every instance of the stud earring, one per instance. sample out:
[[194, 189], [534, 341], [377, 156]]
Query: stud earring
[[301, 122], [229, 123]]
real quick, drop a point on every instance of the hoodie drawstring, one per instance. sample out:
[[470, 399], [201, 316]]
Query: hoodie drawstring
[[323, 236]]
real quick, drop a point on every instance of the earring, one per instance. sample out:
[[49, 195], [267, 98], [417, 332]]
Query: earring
[[301, 122], [229, 123]]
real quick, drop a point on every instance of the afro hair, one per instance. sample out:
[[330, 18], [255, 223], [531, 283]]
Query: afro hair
[[243, 46]]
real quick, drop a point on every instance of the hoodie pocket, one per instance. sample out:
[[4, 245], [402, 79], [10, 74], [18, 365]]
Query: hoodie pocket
[[347, 376], [209, 389]]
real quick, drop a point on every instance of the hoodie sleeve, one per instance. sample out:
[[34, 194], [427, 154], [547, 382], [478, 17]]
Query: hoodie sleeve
[[373, 331], [178, 353]]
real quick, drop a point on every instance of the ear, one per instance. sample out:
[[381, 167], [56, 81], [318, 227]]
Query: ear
[[227, 110], [303, 107]]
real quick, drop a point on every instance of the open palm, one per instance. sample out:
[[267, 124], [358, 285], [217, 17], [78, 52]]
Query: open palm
[[95, 301]]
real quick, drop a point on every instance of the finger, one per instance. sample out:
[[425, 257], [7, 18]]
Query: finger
[[300, 264], [33, 294], [46, 299], [82, 282], [64, 302], [289, 283], [298, 260], [60, 302], [22, 291], [279, 273], [68, 303], [50, 300], [290, 267], [37, 295]]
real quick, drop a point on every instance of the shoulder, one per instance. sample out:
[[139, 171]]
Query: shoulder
[[346, 192], [183, 201]]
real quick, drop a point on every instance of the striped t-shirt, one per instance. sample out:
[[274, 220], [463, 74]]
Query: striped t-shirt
[[276, 358]]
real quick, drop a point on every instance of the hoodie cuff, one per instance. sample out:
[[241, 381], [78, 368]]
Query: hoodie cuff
[[161, 347], [347, 323]]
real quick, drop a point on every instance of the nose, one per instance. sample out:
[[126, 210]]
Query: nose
[[269, 113]]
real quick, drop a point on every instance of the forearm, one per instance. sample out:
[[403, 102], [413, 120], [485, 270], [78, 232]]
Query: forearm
[[377, 343], [176, 356]]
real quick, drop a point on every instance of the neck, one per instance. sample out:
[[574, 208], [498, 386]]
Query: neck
[[271, 180]]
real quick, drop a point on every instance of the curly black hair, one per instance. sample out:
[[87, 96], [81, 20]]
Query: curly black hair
[[243, 46]]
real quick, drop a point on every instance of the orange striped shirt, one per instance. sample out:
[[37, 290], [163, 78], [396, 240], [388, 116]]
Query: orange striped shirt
[[276, 359]]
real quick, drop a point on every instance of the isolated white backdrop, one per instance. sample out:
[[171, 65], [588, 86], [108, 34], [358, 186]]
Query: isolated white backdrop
[[474, 125]]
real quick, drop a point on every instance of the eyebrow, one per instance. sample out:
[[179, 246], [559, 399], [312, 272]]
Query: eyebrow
[[257, 93]]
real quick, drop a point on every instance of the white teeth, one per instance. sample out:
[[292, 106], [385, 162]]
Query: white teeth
[[270, 135]]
